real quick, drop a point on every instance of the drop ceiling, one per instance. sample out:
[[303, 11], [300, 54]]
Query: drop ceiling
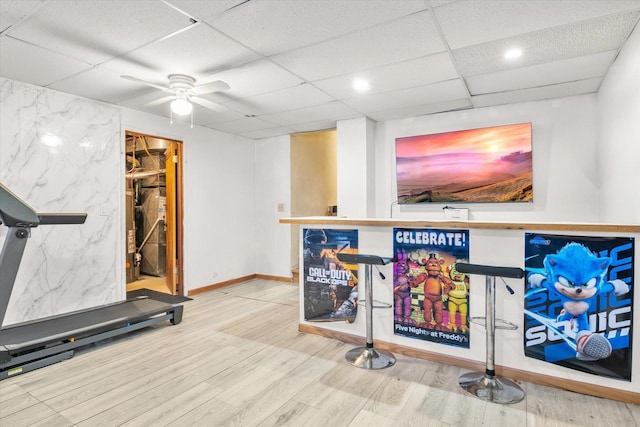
[[290, 63]]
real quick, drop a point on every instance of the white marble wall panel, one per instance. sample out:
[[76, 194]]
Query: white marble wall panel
[[62, 153]]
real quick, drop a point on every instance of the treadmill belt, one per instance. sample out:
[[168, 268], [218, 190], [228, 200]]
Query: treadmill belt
[[79, 324]]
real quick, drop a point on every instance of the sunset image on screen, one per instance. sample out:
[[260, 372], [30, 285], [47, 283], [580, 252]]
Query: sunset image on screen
[[476, 165]]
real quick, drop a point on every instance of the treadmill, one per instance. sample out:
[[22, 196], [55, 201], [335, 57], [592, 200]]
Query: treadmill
[[38, 343]]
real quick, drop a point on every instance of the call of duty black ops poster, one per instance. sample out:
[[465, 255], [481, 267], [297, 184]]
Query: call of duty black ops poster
[[579, 302], [431, 298], [330, 286]]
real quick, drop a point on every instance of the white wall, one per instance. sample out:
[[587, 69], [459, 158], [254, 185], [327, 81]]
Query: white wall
[[565, 186], [272, 187], [67, 268], [619, 137], [219, 211], [61, 153], [355, 167]]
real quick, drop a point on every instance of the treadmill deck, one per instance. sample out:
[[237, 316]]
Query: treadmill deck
[[79, 324]]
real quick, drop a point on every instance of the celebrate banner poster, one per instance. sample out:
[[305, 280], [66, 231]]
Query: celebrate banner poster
[[330, 286], [578, 302], [431, 299]]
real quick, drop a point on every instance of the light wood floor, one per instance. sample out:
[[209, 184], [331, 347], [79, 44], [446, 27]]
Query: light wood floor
[[149, 282], [237, 359]]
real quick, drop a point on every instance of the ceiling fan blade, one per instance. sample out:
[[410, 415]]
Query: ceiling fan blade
[[208, 104], [216, 86], [160, 101], [144, 82]]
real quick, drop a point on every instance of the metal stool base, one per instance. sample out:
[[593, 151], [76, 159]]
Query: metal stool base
[[370, 358], [491, 389]]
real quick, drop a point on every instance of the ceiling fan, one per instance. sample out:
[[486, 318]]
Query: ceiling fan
[[183, 92]]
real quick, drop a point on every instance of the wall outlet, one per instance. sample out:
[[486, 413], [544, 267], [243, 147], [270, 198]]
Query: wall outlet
[[104, 209], [280, 207]]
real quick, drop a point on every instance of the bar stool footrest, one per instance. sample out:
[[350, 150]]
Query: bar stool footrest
[[499, 324], [380, 304], [491, 388]]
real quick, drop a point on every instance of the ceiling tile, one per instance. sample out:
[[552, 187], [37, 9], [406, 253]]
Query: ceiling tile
[[11, 13], [467, 23], [201, 10], [204, 116], [254, 78], [290, 63], [267, 133], [436, 3], [198, 52], [583, 67], [32, 64], [333, 110], [245, 124], [272, 27], [421, 110], [112, 87], [96, 31], [569, 41], [407, 38], [301, 96], [415, 72], [315, 126], [430, 94], [538, 93]]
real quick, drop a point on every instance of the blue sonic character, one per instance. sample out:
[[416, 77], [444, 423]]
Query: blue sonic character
[[576, 276]]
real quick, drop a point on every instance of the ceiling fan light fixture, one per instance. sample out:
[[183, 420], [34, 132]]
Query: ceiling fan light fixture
[[181, 107]]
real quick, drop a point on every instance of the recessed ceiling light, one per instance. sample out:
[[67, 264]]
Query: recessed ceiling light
[[513, 53], [361, 85]]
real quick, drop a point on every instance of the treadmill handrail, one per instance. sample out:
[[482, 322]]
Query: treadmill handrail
[[62, 218], [14, 212], [19, 217]]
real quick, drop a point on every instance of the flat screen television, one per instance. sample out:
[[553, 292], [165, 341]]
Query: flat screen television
[[484, 165]]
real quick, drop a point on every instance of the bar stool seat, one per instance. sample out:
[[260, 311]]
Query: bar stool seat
[[368, 357], [486, 385]]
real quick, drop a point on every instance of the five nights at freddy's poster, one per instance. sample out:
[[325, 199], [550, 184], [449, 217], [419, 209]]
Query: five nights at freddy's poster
[[431, 298], [579, 302]]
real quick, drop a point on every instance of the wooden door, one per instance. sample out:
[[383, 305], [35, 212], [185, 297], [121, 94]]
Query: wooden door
[[174, 218]]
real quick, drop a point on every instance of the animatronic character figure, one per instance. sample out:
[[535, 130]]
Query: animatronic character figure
[[576, 276], [436, 285], [457, 301], [405, 281]]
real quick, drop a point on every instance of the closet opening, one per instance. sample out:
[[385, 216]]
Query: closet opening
[[153, 189]]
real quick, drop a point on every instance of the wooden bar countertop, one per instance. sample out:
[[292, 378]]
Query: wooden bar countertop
[[536, 226]]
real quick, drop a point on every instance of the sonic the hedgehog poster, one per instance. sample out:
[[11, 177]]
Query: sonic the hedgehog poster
[[578, 302]]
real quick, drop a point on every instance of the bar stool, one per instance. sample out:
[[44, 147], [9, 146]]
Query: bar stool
[[486, 385], [368, 357]]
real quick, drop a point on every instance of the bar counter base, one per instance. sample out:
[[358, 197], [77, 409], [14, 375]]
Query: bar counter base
[[517, 375]]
